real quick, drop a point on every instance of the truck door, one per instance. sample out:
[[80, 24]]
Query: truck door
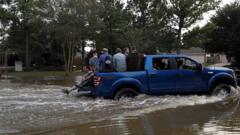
[[187, 77], [161, 76]]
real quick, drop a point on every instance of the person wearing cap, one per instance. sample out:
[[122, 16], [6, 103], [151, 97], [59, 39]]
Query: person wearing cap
[[105, 61], [119, 61]]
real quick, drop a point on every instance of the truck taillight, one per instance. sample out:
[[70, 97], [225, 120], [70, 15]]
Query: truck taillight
[[97, 80]]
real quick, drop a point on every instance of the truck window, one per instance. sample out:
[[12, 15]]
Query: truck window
[[161, 64], [185, 63]]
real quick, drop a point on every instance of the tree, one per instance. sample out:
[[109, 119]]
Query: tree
[[113, 23], [25, 19], [150, 25], [138, 30], [225, 37], [163, 35], [199, 37], [187, 12], [71, 27]]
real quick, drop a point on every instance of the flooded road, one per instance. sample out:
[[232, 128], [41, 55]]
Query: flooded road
[[44, 110]]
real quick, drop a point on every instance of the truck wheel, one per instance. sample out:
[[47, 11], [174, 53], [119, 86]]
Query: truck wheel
[[221, 90], [125, 92]]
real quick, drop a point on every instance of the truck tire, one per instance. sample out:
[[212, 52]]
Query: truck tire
[[221, 89], [125, 92]]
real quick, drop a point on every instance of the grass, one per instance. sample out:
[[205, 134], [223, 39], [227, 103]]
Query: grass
[[40, 74]]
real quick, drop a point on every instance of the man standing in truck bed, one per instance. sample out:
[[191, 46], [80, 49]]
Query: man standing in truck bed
[[134, 61], [119, 61], [105, 61]]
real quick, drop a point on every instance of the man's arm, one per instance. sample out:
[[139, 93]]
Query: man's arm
[[114, 62]]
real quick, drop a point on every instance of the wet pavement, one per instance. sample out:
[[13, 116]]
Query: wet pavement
[[44, 110]]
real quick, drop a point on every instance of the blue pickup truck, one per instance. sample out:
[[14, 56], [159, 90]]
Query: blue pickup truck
[[164, 74]]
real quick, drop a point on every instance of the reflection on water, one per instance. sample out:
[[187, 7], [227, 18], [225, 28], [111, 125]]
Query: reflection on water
[[48, 80], [220, 118], [43, 109]]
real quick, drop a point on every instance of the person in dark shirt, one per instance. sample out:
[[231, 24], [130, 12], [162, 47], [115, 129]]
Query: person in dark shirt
[[134, 61]]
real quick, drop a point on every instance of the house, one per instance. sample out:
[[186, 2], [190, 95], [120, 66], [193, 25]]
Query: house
[[195, 53], [201, 56]]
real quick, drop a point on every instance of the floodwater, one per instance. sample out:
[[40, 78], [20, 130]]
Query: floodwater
[[44, 110]]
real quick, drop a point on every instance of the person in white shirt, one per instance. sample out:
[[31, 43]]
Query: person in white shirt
[[119, 61]]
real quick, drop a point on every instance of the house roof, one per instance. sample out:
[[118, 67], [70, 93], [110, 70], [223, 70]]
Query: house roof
[[193, 50]]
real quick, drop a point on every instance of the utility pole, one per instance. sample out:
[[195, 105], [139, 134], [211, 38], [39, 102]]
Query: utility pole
[[110, 33]]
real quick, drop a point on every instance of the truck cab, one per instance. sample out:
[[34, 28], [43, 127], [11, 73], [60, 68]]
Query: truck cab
[[164, 74]]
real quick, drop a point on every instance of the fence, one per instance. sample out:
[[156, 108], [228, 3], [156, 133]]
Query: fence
[[4, 62]]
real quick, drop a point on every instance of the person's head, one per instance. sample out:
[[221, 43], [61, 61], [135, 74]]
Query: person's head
[[85, 69], [95, 54], [126, 50], [105, 50], [134, 50], [179, 62], [155, 65], [118, 50]]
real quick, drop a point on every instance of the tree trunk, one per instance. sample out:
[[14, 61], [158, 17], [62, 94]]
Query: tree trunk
[[68, 53], [110, 37], [73, 47], [6, 61], [72, 56], [83, 52], [179, 36], [27, 51], [110, 34], [65, 60]]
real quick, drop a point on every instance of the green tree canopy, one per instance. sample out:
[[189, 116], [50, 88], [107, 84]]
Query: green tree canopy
[[187, 12], [26, 20], [150, 25], [225, 37], [198, 37]]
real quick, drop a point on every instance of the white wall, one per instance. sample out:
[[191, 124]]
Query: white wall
[[198, 58]]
